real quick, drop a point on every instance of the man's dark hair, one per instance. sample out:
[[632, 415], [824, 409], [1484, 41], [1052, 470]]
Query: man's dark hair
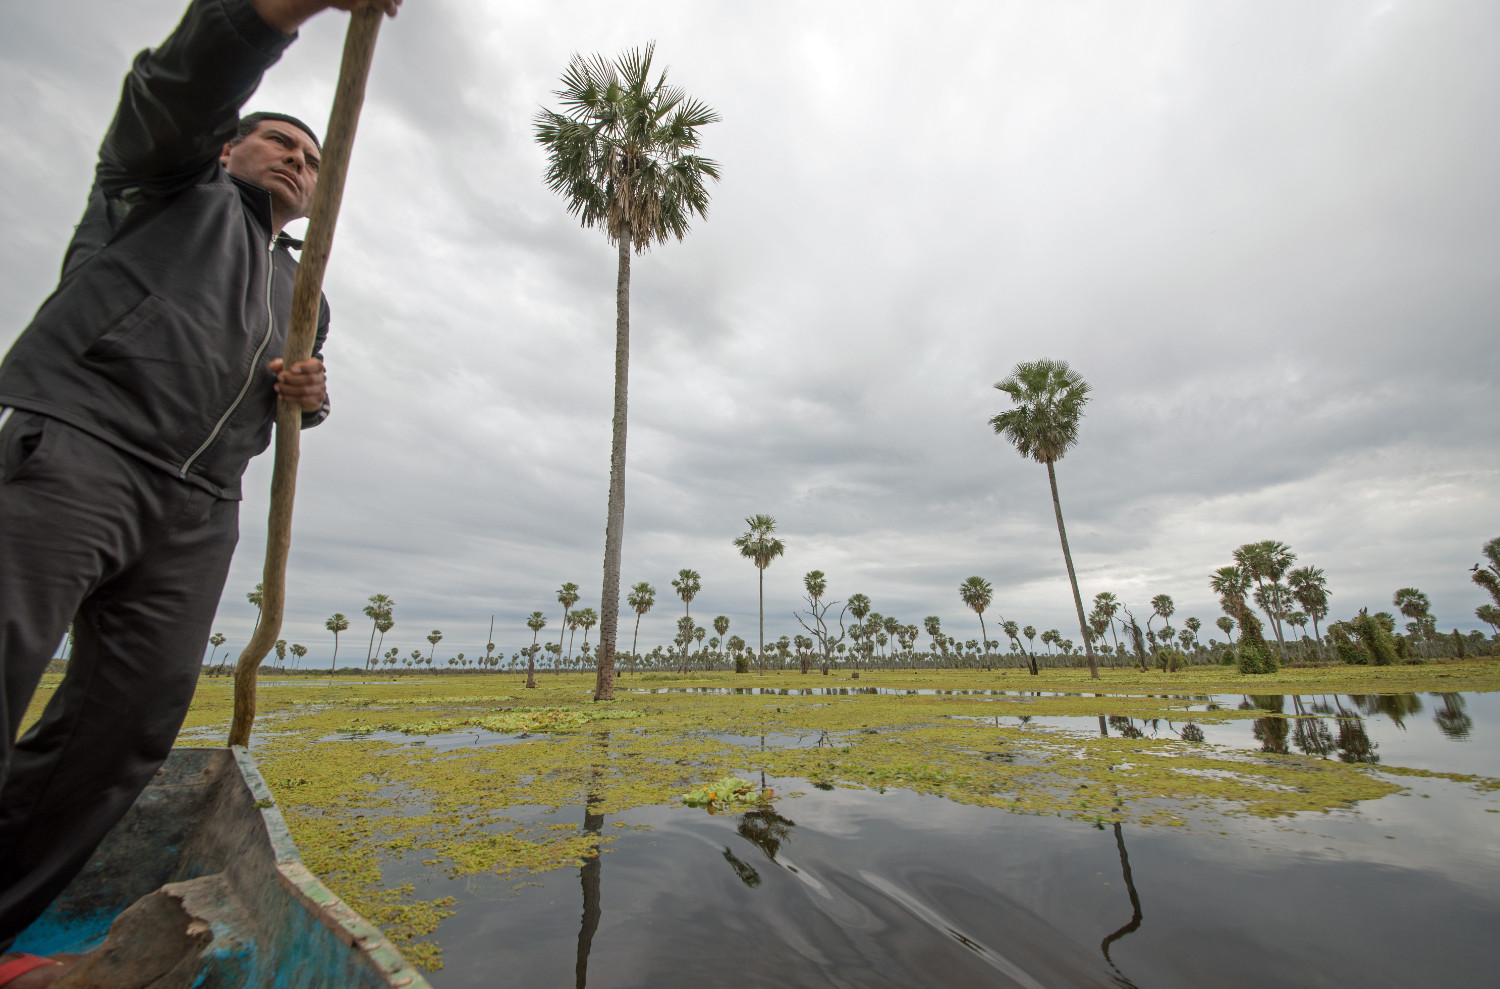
[[250, 121]]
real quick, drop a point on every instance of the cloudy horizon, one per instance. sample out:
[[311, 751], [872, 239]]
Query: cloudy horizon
[[1266, 234]]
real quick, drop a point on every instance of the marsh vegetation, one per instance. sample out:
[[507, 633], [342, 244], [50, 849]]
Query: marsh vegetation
[[906, 808]]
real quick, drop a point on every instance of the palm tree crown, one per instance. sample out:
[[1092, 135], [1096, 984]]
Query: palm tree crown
[[642, 597], [1049, 398], [623, 151], [758, 545], [688, 584]]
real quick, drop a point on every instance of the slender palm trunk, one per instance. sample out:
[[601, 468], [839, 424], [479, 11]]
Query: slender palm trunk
[[561, 635], [335, 653], [633, 640], [614, 525], [1062, 534], [1318, 638], [984, 640], [531, 662], [1275, 625], [763, 622], [371, 651]]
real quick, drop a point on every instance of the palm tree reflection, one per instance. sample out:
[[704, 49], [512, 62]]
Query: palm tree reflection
[[766, 830], [1453, 720], [593, 863], [1135, 907]]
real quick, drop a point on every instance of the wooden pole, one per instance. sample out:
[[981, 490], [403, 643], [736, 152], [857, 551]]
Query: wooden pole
[[359, 49]]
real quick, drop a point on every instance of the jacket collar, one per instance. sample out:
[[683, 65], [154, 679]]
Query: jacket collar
[[258, 201]]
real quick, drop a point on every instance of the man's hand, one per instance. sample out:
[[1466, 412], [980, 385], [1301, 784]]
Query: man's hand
[[287, 16], [303, 384]]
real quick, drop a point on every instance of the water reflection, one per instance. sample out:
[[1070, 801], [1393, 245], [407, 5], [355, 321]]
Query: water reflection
[[1135, 907], [593, 865], [1453, 720], [589, 875], [764, 828]]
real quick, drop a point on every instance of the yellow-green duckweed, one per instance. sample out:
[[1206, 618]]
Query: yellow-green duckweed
[[354, 802]]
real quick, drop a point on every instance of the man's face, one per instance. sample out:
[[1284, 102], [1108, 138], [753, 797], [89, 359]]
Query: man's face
[[281, 159]]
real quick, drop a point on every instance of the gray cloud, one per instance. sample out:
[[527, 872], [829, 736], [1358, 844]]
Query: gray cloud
[[1266, 234]]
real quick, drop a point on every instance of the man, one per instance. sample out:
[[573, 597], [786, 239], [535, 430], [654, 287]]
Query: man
[[129, 409]]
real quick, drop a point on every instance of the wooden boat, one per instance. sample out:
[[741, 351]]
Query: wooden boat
[[208, 825]]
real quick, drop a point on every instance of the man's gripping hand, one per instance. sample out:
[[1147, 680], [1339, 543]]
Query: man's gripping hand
[[304, 384], [287, 16]]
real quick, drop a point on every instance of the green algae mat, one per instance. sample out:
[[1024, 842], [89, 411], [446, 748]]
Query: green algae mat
[[459, 771]]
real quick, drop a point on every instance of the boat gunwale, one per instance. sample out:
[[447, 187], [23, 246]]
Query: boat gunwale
[[307, 889]]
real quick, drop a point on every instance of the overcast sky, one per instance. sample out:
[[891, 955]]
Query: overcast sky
[[1267, 234]]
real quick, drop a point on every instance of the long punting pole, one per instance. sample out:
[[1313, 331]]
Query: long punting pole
[[359, 49]]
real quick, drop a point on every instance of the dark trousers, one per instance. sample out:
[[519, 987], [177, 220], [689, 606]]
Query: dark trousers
[[136, 559]]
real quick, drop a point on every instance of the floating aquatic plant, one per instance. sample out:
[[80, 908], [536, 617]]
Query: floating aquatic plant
[[513, 721], [726, 794]]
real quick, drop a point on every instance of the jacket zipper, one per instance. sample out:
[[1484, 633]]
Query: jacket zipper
[[254, 366]]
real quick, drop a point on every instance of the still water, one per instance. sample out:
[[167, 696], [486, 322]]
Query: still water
[[855, 888]]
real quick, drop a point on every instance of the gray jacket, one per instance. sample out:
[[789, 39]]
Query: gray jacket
[[173, 297]]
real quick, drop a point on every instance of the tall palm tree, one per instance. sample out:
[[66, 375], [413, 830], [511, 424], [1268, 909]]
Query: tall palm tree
[[536, 622], [687, 585], [587, 619], [1049, 398], [760, 547], [434, 637], [1163, 606], [721, 628], [977, 593], [642, 598], [1226, 625], [217, 640], [623, 153], [859, 607], [685, 626], [1309, 589], [1191, 626], [336, 623], [1267, 562], [384, 624], [1106, 604], [567, 596], [573, 620], [256, 597], [380, 605]]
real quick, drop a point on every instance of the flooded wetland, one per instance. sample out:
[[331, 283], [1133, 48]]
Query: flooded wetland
[[1332, 827]]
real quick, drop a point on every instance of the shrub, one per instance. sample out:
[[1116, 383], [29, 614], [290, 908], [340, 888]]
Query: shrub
[[742, 664], [1351, 653], [1376, 639], [1254, 659]]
